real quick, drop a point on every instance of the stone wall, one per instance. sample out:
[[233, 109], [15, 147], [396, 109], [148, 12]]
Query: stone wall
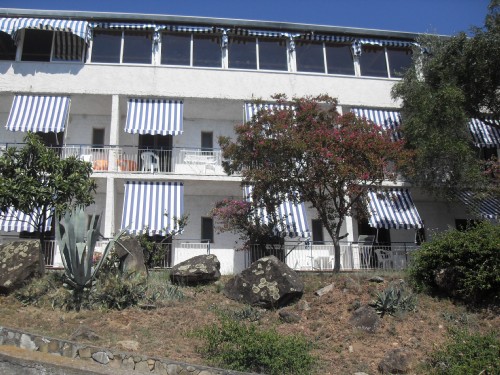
[[110, 358]]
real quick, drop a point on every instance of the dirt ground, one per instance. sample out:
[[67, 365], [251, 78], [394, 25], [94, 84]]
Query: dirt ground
[[342, 349]]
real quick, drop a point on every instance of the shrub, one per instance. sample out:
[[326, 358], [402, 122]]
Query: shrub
[[38, 288], [469, 261], [394, 299], [238, 346], [467, 353], [117, 291]]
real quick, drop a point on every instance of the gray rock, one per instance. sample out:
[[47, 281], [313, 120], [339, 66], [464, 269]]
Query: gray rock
[[100, 357], [352, 285], [131, 256], [200, 269], [18, 264], [289, 317], [83, 332], [376, 279], [267, 283], [366, 319], [395, 361], [324, 290]]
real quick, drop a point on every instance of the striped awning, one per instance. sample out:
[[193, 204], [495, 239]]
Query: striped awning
[[154, 116], [390, 121], [38, 113], [154, 205], [17, 221], [486, 207], [292, 216], [483, 134], [393, 208], [251, 109], [124, 26], [77, 27]]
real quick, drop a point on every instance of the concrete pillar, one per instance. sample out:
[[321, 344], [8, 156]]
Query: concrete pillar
[[114, 152], [109, 216]]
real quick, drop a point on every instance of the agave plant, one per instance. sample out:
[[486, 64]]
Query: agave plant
[[77, 246]]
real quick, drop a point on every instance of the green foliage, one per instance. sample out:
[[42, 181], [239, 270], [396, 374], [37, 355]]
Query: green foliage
[[395, 299], [467, 353], [34, 292], [453, 80], [471, 260], [115, 291], [242, 347], [35, 180], [161, 290], [248, 313]]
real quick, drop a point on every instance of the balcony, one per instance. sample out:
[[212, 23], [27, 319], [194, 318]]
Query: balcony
[[133, 159]]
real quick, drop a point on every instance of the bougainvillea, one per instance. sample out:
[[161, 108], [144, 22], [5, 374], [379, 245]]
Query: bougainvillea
[[331, 160]]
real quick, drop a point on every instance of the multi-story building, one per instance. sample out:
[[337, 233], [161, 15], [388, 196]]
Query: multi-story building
[[145, 97]]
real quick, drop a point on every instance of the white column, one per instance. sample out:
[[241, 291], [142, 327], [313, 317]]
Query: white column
[[109, 216], [114, 132]]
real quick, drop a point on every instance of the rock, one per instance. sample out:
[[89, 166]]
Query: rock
[[366, 319], [352, 285], [303, 305], [85, 333], [131, 255], [396, 361], [376, 279], [129, 345], [100, 357], [289, 317], [18, 264], [267, 283], [324, 290], [200, 269]]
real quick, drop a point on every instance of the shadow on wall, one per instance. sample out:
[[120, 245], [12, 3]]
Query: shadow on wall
[[26, 68]]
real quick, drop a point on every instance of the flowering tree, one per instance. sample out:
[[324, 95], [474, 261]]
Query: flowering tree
[[308, 152]]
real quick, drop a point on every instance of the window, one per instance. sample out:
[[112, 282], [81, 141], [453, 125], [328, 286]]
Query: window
[[207, 229], [176, 49], [310, 57], [317, 232], [207, 51], [399, 61], [382, 235], [137, 47], [339, 59], [7, 47], [106, 46], [272, 55], [207, 141], [98, 137], [242, 53], [372, 61], [37, 45]]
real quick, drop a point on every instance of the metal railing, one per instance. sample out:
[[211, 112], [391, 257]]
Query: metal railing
[[135, 159], [353, 255]]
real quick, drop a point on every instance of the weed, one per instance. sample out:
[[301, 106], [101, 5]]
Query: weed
[[394, 299]]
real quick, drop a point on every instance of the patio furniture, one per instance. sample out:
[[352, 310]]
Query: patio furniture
[[100, 165], [384, 259], [150, 162], [126, 165]]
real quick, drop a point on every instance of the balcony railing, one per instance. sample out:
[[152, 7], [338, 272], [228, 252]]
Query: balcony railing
[[134, 159]]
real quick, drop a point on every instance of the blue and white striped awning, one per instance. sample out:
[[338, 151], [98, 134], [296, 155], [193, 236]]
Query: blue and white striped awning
[[258, 33], [68, 47], [77, 27], [390, 121], [393, 208], [38, 113], [328, 38], [17, 221], [190, 29], [486, 207], [358, 43], [252, 109], [484, 135], [154, 116], [123, 26], [154, 205], [292, 216]]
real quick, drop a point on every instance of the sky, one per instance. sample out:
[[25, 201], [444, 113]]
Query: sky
[[445, 17]]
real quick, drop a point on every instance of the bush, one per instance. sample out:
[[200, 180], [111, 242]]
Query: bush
[[469, 263], [467, 353], [115, 291], [35, 292], [394, 299], [238, 346]]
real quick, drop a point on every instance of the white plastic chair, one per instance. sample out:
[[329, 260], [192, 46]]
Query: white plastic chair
[[384, 259], [150, 161], [86, 157]]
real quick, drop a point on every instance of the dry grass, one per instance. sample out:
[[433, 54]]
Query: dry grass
[[342, 349]]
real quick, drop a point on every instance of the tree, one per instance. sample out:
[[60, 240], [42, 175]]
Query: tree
[[36, 181], [308, 152], [453, 80]]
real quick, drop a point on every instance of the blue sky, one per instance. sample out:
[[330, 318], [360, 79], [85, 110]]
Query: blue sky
[[436, 16]]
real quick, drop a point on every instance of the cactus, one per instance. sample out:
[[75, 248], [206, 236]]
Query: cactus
[[76, 245]]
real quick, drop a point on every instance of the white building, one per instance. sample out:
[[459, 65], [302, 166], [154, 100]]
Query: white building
[[144, 98]]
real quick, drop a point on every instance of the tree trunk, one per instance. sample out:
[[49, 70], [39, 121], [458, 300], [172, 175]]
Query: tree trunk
[[336, 247], [41, 255]]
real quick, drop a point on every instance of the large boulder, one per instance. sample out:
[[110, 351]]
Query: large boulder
[[18, 264], [396, 361], [366, 319], [267, 283], [200, 269], [130, 253]]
